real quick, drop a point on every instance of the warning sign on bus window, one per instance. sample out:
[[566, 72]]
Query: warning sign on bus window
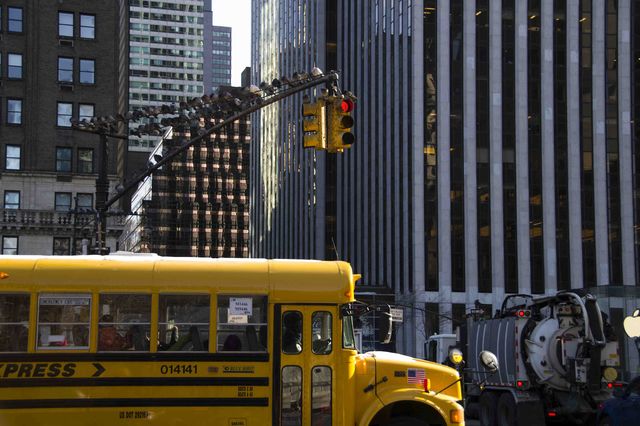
[[240, 306], [238, 319]]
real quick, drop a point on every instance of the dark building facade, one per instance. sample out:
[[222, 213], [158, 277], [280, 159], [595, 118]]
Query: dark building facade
[[217, 57], [497, 151], [60, 61], [198, 204]]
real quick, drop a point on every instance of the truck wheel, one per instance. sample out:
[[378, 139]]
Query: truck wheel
[[488, 405], [506, 410]]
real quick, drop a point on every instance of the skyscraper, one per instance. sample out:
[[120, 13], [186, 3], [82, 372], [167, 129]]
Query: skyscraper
[[165, 56], [217, 58], [61, 61], [496, 151]]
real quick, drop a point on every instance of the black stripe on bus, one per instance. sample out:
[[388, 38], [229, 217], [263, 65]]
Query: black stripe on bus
[[132, 402], [135, 381], [134, 357]]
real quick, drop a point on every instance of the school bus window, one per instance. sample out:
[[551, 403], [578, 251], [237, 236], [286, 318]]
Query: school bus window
[[183, 323], [321, 333], [242, 323], [292, 332], [321, 396], [348, 336], [63, 321], [125, 322], [291, 408], [14, 322]]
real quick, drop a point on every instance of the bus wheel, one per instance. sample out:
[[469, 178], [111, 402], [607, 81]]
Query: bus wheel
[[406, 421], [488, 405], [506, 410]]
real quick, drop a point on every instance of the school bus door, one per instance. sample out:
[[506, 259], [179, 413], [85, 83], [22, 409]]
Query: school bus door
[[306, 352]]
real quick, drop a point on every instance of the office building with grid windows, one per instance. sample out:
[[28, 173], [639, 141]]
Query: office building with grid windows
[[217, 57], [166, 59], [60, 61], [198, 204], [496, 151]]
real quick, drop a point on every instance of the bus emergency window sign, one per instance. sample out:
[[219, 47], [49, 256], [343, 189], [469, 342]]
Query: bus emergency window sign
[[65, 301], [240, 306]]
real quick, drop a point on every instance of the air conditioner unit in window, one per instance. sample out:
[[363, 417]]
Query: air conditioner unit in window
[[65, 42]]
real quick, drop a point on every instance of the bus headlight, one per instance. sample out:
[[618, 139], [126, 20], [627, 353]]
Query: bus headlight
[[455, 356]]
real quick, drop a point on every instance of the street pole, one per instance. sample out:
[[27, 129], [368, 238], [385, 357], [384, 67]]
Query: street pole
[[102, 192]]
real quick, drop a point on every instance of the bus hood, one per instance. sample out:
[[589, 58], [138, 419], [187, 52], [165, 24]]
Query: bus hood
[[403, 371]]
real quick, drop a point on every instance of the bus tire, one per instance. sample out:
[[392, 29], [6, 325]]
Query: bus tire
[[506, 412], [406, 421], [488, 406]]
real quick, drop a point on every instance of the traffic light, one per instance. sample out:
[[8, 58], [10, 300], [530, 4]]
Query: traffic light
[[339, 123], [313, 124]]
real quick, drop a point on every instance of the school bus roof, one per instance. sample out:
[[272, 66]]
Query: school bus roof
[[283, 280]]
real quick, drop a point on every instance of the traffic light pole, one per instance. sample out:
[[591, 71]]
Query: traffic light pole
[[102, 182], [328, 78], [102, 192]]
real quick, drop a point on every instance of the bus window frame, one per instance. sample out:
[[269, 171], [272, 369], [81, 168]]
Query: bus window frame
[[265, 298], [96, 348], [155, 315], [90, 347], [28, 322]]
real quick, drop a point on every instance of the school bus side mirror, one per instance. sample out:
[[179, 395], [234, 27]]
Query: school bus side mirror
[[384, 323]]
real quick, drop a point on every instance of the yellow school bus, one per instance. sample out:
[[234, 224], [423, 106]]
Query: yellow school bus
[[136, 340]]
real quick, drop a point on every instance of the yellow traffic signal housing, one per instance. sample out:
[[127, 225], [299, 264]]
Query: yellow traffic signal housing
[[339, 123], [313, 125]]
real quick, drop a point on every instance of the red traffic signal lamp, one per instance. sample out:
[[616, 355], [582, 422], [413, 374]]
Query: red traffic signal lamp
[[339, 123]]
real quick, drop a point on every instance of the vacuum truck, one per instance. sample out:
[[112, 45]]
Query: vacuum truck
[[558, 359]]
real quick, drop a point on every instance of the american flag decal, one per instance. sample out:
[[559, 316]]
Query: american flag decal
[[415, 375]]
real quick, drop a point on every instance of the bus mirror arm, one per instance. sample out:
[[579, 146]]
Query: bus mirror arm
[[372, 386], [358, 309], [480, 385]]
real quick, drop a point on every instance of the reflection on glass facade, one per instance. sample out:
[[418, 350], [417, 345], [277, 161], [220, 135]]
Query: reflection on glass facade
[[535, 148], [483, 167], [635, 130], [509, 148], [586, 138], [560, 142], [373, 212], [430, 147], [611, 129], [457, 155]]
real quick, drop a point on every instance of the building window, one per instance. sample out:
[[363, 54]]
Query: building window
[[14, 111], [85, 160], [9, 245], [86, 112], [63, 159], [12, 159], [87, 71], [61, 246], [65, 111], [87, 26], [15, 65], [84, 202], [65, 69], [11, 200], [14, 24], [63, 201], [65, 24]]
